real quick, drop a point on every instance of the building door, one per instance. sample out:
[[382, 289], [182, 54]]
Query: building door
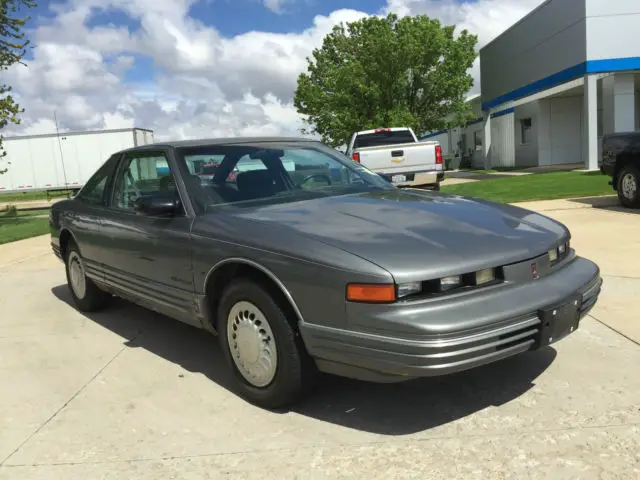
[[566, 130]]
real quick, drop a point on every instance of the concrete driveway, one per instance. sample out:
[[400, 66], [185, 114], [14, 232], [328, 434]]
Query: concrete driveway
[[127, 394]]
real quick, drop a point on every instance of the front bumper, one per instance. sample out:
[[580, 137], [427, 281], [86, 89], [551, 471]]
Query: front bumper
[[529, 325]]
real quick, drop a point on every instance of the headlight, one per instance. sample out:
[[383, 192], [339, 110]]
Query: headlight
[[487, 275], [559, 252], [447, 283], [562, 249], [405, 289]]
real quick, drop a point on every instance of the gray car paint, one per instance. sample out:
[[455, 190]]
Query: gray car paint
[[313, 248]]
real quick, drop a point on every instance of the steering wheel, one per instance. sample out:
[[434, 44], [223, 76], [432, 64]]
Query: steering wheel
[[316, 175]]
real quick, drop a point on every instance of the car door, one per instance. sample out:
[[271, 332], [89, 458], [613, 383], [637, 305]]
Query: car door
[[84, 220], [149, 257]]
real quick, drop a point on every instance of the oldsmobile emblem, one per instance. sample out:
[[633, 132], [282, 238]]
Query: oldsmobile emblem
[[534, 271]]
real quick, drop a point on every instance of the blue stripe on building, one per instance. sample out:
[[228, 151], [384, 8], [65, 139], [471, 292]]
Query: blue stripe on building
[[564, 76], [501, 113], [440, 132], [434, 134]]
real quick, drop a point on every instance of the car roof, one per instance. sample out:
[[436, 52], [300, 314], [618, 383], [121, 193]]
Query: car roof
[[219, 141]]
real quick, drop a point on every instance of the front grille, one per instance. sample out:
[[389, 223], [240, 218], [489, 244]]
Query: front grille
[[518, 336]]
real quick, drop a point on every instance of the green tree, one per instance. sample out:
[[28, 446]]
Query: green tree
[[386, 72], [13, 45]]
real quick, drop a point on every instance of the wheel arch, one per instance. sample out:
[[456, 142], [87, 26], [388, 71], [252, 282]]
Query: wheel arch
[[65, 237], [238, 267], [622, 160]]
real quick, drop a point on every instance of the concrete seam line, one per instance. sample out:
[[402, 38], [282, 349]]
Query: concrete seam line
[[615, 330], [24, 259], [315, 446], [73, 397]]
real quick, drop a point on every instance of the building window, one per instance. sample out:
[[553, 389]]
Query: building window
[[525, 131], [477, 140]]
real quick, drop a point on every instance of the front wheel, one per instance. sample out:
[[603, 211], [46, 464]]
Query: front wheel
[[86, 295], [628, 181], [271, 367]]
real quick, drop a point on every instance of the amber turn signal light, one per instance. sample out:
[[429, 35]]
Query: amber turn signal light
[[371, 293]]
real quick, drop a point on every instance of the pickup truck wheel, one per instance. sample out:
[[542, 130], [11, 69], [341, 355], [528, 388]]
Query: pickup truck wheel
[[271, 367], [628, 183], [86, 295]]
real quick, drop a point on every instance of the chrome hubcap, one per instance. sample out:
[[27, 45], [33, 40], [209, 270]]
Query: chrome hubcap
[[629, 186], [76, 275], [252, 344]]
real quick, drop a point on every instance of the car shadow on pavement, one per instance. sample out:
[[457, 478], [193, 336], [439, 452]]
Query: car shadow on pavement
[[386, 409]]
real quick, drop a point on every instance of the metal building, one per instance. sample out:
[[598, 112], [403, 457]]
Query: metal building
[[552, 85]]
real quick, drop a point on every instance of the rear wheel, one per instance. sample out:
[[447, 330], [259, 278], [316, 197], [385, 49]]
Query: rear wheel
[[628, 183], [270, 365], [86, 295]]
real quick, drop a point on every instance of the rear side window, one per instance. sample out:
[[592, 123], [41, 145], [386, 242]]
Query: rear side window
[[94, 191], [383, 138]]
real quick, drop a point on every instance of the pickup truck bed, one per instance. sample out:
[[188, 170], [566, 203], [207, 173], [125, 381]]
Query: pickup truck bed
[[397, 155]]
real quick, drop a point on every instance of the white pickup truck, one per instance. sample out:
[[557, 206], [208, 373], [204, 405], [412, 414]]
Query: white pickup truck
[[396, 155]]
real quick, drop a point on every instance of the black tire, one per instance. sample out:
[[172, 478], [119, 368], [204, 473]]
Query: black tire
[[295, 372], [627, 197], [91, 298], [436, 187]]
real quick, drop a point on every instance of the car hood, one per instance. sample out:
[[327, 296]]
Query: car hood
[[416, 235]]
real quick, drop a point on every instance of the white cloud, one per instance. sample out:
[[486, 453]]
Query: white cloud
[[274, 5], [206, 84]]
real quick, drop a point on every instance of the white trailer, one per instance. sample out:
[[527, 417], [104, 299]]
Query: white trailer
[[62, 161]]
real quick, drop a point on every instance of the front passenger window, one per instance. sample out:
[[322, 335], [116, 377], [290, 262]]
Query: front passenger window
[[142, 175]]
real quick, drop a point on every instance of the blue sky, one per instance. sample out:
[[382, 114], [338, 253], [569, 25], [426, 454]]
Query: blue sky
[[233, 17]]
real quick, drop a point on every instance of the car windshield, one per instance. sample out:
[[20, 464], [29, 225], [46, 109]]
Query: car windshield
[[270, 172]]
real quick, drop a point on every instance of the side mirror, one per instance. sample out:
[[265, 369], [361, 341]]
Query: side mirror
[[156, 205]]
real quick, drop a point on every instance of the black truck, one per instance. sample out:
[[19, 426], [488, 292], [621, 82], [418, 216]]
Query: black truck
[[621, 161]]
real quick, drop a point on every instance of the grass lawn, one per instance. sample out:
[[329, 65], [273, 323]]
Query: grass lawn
[[491, 170], [25, 213], [17, 228], [541, 186], [28, 196], [22, 224]]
